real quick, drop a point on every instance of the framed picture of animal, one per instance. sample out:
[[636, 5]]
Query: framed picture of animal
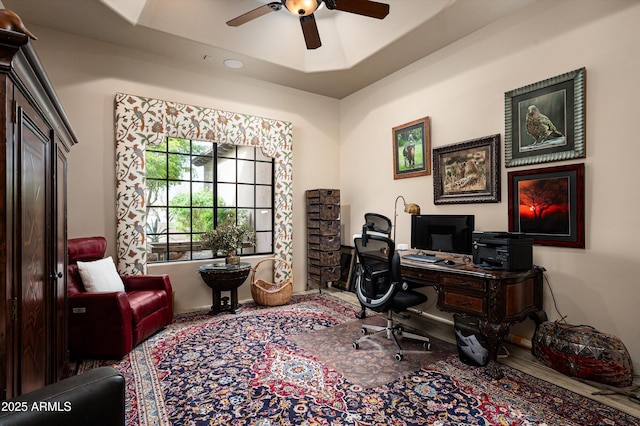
[[545, 121], [467, 172], [412, 149], [547, 204]]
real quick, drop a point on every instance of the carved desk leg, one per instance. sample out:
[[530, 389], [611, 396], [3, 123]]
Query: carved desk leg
[[495, 334]]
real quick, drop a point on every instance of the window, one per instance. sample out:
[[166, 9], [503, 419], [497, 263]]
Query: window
[[192, 186]]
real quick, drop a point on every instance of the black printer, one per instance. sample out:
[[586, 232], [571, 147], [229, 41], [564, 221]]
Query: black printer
[[508, 251]]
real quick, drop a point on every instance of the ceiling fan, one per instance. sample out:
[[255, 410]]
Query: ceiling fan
[[305, 9]]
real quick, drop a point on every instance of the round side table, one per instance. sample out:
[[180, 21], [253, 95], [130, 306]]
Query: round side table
[[222, 277]]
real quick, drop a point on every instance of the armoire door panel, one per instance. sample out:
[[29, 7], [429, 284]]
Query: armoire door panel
[[34, 211], [59, 274]]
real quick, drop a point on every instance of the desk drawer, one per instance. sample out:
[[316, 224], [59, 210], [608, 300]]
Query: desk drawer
[[463, 282], [420, 275], [463, 303]]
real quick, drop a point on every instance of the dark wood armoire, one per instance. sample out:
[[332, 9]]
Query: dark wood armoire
[[36, 138]]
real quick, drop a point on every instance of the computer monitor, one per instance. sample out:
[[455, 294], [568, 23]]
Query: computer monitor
[[442, 233]]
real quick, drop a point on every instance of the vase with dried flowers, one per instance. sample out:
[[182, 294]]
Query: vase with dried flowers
[[228, 238]]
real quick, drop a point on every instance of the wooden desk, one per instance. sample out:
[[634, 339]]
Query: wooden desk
[[498, 299]]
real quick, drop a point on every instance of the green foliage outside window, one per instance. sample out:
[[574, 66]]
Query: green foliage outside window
[[197, 219]]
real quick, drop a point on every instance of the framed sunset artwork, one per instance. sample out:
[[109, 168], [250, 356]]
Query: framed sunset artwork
[[548, 205]]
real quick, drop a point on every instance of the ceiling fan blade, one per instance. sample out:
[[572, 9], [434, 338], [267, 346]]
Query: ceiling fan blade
[[255, 13], [372, 9], [310, 31]]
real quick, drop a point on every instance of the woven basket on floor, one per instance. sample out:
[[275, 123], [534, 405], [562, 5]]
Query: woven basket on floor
[[272, 294]]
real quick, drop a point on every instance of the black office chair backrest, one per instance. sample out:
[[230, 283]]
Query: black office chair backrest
[[375, 222], [378, 273]]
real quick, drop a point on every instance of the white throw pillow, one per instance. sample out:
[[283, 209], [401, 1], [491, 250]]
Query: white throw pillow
[[100, 276]]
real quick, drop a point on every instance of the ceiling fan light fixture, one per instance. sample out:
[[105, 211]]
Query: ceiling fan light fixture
[[301, 7]]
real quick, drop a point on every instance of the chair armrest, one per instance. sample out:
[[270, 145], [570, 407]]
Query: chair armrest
[[100, 308], [147, 282], [92, 398]]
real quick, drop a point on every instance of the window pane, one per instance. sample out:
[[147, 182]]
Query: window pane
[[179, 247], [179, 166], [247, 250], [203, 148], [198, 253], [179, 195], [202, 199], [227, 215], [161, 147], [246, 152], [245, 218], [179, 219], [158, 250], [264, 173], [202, 219], [202, 169], [246, 172], [156, 165], [261, 157], [264, 196], [157, 192], [203, 193], [263, 220], [226, 170], [179, 145], [264, 242], [156, 224], [226, 194], [226, 151], [246, 194]]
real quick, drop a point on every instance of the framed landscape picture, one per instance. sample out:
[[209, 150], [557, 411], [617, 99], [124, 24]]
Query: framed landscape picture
[[548, 205], [545, 121], [411, 149], [467, 172]]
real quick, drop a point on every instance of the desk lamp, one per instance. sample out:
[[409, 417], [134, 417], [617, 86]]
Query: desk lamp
[[410, 208]]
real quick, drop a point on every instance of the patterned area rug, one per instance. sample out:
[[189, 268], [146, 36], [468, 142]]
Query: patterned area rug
[[256, 368]]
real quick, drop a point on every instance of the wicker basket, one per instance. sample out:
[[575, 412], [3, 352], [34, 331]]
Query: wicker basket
[[272, 294]]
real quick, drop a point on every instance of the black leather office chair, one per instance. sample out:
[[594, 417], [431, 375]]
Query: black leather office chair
[[379, 287]]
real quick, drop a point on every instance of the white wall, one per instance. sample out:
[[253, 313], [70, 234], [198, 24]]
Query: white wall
[[86, 75], [462, 89]]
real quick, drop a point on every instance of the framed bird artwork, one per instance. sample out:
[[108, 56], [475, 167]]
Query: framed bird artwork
[[545, 121]]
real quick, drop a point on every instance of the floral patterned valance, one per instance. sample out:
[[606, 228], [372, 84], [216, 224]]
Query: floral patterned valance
[[141, 121]]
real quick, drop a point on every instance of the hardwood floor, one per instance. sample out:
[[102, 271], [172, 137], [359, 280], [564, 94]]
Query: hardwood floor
[[520, 358]]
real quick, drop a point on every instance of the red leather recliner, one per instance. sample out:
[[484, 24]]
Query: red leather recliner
[[110, 325]]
